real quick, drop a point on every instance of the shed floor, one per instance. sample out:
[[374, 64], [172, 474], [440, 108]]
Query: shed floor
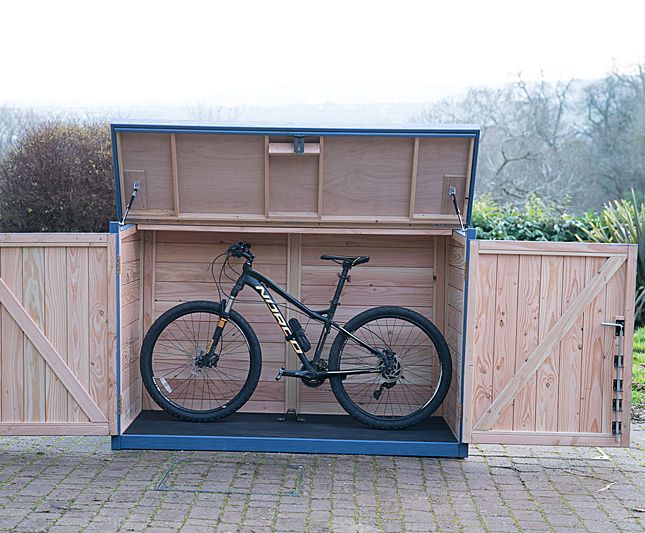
[[332, 427], [263, 432]]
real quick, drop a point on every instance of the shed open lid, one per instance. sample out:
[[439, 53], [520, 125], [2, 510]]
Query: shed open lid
[[277, 175]]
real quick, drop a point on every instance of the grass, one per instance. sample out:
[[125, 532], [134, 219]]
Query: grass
[[638, 376]]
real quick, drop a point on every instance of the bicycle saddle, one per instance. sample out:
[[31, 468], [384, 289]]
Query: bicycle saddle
[[351, 261]]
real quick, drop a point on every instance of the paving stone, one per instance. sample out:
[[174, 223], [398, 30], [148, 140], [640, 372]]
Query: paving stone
[[73, 483]]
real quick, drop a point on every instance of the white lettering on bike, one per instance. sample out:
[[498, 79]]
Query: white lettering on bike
[[278, 317]]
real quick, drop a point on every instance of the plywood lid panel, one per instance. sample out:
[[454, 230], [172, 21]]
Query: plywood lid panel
[[216, 175]]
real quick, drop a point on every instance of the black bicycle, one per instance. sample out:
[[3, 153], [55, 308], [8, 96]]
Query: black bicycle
[[389, 367]]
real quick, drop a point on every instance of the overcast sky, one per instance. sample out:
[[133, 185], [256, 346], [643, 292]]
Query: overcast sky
[[134, 52]]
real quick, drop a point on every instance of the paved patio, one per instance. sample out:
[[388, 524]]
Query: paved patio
[[78, 484]]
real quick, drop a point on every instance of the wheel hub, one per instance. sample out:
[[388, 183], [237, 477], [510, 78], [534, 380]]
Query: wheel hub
[[201, 359], [390, 368]]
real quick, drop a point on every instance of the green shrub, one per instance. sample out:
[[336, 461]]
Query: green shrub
[[623, 221], [535, 221], [638, 375], [58, 177]]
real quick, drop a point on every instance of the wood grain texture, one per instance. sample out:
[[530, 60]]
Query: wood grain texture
[[293, 188], [150, 153], [44, 369], [546, 407], [438, 158], [614, 310], [527, 336], [594, 287], [77, 331], [33, 268], [451, 322], [221, 174], [13, 371], [367, 176], [97, 321], [592, 367], [573, 279], [56, 328], [36, 337], [506, 303], [484, 336]]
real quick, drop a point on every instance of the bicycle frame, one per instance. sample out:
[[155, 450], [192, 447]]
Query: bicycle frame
[[261, 284]]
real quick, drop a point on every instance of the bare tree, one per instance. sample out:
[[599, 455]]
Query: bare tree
[[13, 123]]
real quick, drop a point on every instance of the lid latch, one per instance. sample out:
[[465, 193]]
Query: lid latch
[[299, 144]]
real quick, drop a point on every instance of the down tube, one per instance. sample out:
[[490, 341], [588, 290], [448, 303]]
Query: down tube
[[279, 318]]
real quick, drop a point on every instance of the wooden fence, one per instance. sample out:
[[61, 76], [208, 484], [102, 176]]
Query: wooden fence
[[542, 364], [57, 334]]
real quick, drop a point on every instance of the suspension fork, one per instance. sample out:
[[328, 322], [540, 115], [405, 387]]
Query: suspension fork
[[226, 311]]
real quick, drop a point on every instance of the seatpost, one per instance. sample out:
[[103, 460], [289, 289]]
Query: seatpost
[[339, 289]]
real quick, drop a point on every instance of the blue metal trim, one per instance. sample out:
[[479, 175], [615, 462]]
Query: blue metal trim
[[117, 181], [289, 445], [383, 132], [473, 172], [115, 228], [471, 234]]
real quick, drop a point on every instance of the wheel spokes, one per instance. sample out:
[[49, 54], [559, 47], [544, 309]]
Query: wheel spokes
[[414, 369], [179, 371]]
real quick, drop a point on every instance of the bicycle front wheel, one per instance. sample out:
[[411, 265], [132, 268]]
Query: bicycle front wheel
[[178, 374], [410, 382]]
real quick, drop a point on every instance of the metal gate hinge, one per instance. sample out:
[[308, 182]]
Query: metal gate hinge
[[617, 427], [619, 361], [618, 385], [617, 405]]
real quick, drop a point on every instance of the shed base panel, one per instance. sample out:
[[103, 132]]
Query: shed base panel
[[251, 432]]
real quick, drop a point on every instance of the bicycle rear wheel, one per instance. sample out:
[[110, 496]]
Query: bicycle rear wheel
[[412, 380], [178, 376]]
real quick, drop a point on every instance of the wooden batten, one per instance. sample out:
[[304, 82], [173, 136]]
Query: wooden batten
[[175, 176]]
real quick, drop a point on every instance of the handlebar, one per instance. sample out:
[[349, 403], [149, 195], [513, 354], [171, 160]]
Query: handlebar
[[241, 249]]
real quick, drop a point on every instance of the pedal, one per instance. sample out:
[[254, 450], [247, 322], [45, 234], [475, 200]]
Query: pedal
[[278, 376]]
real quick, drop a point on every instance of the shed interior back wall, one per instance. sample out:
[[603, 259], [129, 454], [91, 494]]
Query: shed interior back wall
[[412, 271]]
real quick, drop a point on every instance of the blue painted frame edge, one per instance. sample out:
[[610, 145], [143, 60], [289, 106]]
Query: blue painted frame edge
[[290, 445], [473, 173], [471, 235], [117, 181], [116, 228]]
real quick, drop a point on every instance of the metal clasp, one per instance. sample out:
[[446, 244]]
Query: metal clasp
[[299, 144]]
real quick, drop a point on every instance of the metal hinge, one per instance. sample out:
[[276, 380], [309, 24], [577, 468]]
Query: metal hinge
[[617, 427], [618, 385], [617, 405]]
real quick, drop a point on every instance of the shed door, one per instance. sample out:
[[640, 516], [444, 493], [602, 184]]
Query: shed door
[[57, 334], [540, 361]]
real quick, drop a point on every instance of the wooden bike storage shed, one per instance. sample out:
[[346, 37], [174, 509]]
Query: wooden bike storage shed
[[532, 361]]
